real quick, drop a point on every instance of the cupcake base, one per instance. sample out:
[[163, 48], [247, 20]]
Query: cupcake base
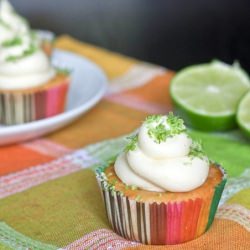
[[160, 218], [22, 106]]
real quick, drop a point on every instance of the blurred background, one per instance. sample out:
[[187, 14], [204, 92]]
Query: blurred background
[[172, 33]]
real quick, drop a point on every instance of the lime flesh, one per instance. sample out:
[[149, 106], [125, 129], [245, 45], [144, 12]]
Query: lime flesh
[[243, 114], [207, 95]]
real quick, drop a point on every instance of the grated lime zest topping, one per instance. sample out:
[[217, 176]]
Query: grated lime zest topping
[[27, 52], [12, 42], [132, 144], [160, 132], [196, 150]]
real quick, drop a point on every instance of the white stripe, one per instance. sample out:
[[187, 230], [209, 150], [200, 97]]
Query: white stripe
[[147, 221], [132, 204], [235, 212], [137, 76], [125, 216], [137, 103], [236, 184], [47, 147], [27, 178]]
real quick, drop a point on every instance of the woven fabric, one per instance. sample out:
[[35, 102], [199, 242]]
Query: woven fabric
[[49, 197]]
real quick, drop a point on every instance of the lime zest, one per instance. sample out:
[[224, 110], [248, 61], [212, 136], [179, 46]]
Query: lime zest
[[153, 118], [132, 143], [12, 42], [159, 129], [196, 150], [138, 198], [26, 53], [160, 132], [176, 124], [131, 187]]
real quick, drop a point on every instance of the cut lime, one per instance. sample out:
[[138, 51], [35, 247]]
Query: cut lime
[[243, 114], [206, 96]]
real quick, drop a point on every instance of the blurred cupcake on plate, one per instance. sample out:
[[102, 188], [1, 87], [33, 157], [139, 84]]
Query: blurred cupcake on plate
[[13, 25], [30, 87], [161, 189]]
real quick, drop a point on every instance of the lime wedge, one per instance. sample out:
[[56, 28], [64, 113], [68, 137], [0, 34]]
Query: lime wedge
[[243, 114], [206, 96]]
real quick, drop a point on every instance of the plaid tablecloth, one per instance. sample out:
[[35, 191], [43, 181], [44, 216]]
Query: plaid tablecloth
[[49, 198]]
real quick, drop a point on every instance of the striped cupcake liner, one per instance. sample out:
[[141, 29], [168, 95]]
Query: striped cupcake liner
[[159, 223], [18, 108]]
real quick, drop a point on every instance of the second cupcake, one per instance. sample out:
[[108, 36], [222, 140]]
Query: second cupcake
[[30, 87]]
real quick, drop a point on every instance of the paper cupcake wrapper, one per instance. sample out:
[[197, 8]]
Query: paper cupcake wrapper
[[159, 223], [23, 107]]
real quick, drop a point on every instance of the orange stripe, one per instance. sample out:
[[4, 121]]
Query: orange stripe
[[155, 91], [106, 120], [223, 235], [15, 158]]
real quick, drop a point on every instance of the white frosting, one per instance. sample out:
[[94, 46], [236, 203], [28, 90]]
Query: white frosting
[[13, 25], [164, 166], [10, 18], [5, 33], [26, 71]]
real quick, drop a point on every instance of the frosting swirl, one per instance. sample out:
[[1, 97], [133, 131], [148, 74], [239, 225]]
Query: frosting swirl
[[23, 64], [11, 24], [5, 32], [162, 157]]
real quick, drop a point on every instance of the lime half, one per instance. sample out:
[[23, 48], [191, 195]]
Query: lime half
[[243, 114], [206, 96]]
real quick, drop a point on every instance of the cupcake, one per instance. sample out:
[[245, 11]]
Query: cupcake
[[161, 189], [13, 25], [30, 87]]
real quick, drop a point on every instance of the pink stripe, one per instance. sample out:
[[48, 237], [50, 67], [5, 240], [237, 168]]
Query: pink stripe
[[51, 102], [169, 224], [34, 176], [138, 103], [47, 147], [27, 178], [101, 239], [180, 208], [197, 208], [177, 228]]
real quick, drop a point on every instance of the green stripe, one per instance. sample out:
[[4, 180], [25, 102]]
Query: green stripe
[[106, 150], [57, 212], [2, 247], [215, 202], [225, 148], [11, 239]]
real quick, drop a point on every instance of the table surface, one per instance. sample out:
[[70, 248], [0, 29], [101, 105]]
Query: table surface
[[49, 198]]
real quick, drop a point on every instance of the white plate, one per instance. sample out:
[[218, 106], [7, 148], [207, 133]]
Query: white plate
[[88, 86]]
